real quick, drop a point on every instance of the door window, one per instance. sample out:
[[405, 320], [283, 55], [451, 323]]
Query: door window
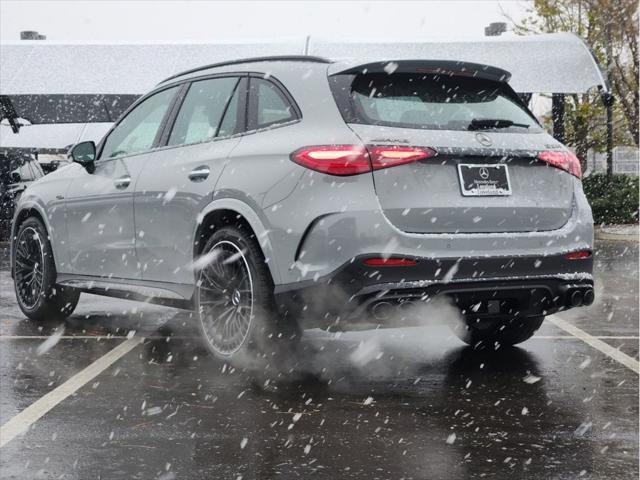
[[137, 131], [202, 110]]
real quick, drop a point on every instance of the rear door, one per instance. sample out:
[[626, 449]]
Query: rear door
[[178, 181], [99, 203], [483, 137]]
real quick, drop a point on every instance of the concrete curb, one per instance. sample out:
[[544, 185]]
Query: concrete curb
[[601, 235]]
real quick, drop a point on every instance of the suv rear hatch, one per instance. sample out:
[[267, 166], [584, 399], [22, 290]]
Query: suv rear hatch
[[485, 177]]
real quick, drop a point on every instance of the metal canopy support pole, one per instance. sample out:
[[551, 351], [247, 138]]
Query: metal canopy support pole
[[609, 100], [9, 112], [557, 113]]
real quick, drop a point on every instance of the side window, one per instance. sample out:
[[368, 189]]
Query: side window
[[233, 120], [137, 131], [202, 110], [271, 106]]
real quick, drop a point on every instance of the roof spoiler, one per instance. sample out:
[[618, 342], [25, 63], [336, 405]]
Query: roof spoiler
[[440, 67]]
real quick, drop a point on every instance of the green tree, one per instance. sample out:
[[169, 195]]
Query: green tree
[[610, 28]]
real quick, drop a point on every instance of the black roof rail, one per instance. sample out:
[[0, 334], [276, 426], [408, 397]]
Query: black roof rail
[[276, 58]]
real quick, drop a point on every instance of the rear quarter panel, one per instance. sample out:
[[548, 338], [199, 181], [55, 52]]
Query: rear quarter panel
[[260, 173]]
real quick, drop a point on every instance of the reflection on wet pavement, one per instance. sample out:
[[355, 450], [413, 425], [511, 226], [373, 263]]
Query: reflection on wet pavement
[[401, 403]]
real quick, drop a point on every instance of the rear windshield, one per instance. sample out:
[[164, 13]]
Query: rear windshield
[[430, 101]]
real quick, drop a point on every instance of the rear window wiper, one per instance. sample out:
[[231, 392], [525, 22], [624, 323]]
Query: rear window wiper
[[488, 123]]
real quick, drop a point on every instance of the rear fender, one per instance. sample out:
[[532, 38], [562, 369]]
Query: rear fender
[[258, 225]]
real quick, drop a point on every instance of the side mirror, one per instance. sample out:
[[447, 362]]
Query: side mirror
[[83, 153], [16, 177]]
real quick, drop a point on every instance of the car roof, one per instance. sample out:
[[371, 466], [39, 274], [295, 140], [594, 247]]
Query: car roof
[[278, 58], [446, 67]]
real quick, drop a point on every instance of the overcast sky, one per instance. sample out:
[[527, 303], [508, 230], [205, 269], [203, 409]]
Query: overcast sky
[[202, 21]]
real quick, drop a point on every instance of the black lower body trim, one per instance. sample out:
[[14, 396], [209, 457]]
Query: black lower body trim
[[480, 288]]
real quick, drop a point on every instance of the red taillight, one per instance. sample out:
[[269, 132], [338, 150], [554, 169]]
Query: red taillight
[[578, 255], [354, 159], [389, 262], [334, 159], [384, 156], [563, 159]]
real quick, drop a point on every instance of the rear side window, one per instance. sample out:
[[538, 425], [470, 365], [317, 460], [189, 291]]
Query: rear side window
[[269, 105], [427, 101], [202, 111]]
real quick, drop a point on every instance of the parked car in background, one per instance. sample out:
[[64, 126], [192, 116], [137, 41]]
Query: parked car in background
[[17, 171], [275, 194]]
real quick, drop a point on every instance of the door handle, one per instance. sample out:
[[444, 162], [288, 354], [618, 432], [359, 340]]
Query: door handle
[[199, 174], [122, 182]]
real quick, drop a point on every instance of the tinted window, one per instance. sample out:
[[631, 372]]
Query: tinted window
[[272, 107], [432, 102], [137, 131], [202, 110]]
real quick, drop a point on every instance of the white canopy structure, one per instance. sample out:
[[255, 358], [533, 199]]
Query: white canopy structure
[[47, 82], [551, 63], [51, 138]]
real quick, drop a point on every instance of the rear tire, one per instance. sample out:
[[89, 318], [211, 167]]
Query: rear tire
[[237, 316], [500, 333], [38, 296]]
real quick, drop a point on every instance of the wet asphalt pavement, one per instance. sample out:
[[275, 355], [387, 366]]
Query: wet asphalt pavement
[[400, 403]]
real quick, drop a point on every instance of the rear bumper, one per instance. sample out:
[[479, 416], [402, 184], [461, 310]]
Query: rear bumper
[[480, 287]]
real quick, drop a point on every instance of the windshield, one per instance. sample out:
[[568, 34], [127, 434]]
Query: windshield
[[443, 102]]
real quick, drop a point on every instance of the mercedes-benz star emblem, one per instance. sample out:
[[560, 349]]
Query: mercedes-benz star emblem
[[483, 139], [484, 173]]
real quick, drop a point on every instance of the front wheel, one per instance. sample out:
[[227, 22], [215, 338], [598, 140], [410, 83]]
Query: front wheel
[[38, 296], [493, 334], [234, 299]]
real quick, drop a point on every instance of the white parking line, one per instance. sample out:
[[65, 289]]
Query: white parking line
[[23, 420], [571, 337], [605, 348], [63, 337], [92, 337]]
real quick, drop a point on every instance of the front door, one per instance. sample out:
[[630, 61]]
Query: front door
[[99, 203]]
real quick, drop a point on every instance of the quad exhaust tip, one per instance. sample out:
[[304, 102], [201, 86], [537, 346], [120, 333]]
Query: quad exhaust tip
[[382, 311], [581, 297], [577, 298]]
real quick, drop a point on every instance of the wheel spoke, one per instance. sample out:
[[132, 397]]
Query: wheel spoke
[[29, 260], [214, 282], [225, 298], [213, 302]]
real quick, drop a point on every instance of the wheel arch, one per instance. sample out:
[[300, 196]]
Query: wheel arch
[[229, 211], [23, 213]]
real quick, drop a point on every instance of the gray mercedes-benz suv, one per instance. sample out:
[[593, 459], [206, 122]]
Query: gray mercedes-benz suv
[[274, 194]]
